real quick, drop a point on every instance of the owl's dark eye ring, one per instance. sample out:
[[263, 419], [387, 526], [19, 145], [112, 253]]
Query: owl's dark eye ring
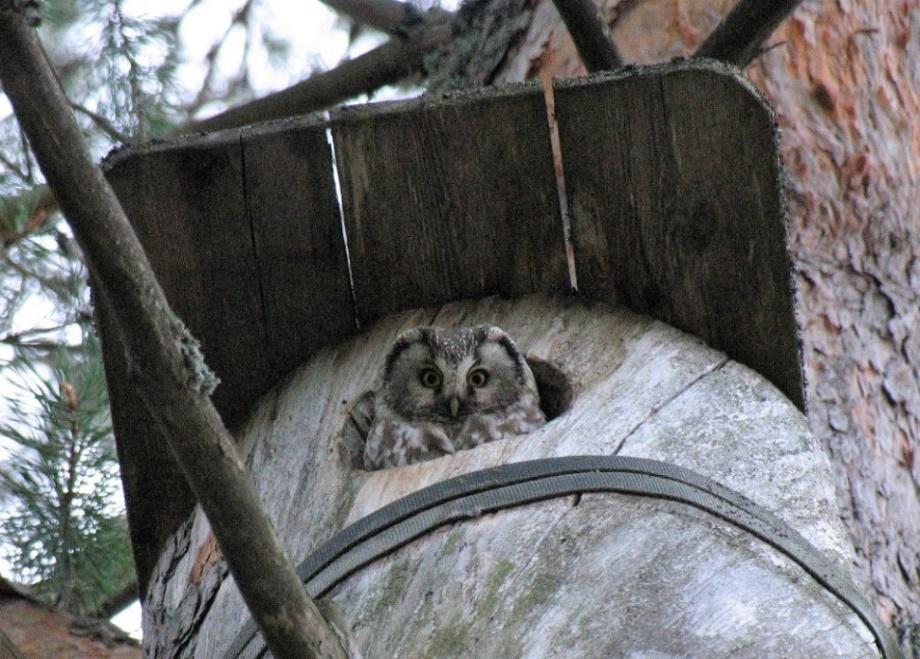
[[477, 377], [430, 377]]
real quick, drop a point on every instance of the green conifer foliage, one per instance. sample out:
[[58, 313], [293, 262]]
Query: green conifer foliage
[[64, 526]]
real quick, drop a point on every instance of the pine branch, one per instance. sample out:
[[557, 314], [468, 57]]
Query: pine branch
[[737, 39], [590, 33], [173, 381]]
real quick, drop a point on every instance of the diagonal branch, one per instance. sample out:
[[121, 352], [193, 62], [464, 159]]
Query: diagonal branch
[[390, 16], [386, 64], [590, 33], [13, 167], [171, 377], [737, 39], [117, 602], [104, 125]]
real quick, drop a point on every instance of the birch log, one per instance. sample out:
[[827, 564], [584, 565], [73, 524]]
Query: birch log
[[575, 576]]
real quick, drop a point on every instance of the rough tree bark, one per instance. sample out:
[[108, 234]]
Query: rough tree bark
[[170, 372], [844, 78]]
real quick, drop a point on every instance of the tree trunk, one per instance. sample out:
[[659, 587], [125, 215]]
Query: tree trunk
[[595, 575], [844, 78]]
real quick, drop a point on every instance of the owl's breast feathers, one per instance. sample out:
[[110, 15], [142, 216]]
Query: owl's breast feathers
[[522, 417], [394, 441]]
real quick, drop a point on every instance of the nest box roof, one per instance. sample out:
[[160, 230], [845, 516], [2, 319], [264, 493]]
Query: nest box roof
[[672, 184]]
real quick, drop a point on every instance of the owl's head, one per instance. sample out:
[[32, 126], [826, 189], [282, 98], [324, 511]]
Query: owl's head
[[445, 375]]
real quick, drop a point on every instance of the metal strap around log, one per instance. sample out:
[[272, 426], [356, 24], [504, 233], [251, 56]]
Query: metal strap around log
[[478, 493]]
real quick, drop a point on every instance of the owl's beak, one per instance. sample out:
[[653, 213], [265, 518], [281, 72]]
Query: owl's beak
[[454, 407]]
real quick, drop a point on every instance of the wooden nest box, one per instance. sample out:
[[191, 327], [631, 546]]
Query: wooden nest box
[[674, 194]]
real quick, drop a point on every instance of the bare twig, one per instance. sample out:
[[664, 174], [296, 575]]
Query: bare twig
[[13, 167], [171, 377], [25, 273], [590, 33], [390, 16], [736, 40], [386, 64], [17, 336], [28, 155], [44, 346], [104, 124], [118, 601], [240, 17], [19, 340]]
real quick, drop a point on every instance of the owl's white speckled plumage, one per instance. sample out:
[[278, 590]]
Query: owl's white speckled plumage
[[448, 390]]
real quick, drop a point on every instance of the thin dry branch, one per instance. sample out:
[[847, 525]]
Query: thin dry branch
[[390, 16], [170, 374], [385, 15], [590, 33], [104, 124], [384, 65], [737, 39], [13, 167], [117, 602]]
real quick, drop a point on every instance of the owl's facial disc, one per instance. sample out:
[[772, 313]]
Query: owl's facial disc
[[446, 376]]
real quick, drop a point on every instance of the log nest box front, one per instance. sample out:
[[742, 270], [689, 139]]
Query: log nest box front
[[679, 346]]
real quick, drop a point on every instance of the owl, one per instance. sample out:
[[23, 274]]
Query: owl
[[448, 390]]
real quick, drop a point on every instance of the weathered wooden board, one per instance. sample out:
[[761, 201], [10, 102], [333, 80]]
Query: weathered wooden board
[[674, 188], [297, 239], [575, 578], [157, 497], [187, 204], [243, 232], [448, 199]]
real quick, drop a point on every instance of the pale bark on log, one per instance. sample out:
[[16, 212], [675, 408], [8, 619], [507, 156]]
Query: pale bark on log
[[844, 77], [598, 575]]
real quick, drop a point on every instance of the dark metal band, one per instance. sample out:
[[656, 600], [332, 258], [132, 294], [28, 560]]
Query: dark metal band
[[471, 495]]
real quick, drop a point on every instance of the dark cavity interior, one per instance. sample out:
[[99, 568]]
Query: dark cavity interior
[[553, 385]]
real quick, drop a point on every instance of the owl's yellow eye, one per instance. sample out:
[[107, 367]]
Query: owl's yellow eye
[[477, 377], [430, 377]]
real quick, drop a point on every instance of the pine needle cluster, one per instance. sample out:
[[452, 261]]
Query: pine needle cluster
[[64, 525]]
